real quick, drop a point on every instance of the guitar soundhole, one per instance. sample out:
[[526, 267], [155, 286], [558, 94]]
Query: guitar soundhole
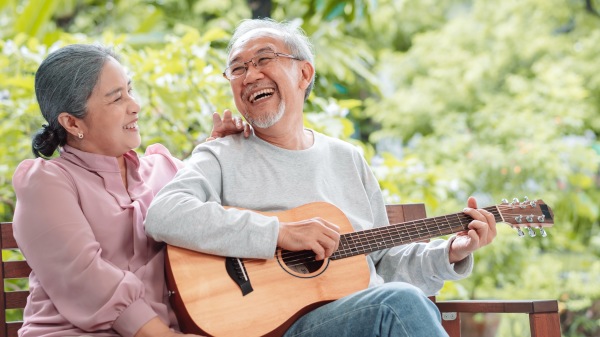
[[301, 263]]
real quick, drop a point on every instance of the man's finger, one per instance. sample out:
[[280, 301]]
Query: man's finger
[[238, 123], [472, 202], [319, 251]]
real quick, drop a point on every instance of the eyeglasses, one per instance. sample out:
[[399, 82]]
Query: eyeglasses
[[259, 61]]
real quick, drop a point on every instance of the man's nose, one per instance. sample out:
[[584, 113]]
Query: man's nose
[[252, 73]]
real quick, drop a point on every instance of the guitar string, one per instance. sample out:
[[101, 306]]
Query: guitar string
[[373, 240], [383, 235], [367, 243]]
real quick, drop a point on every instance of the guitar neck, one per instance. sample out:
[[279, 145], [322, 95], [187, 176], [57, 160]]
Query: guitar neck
[[371, 240]]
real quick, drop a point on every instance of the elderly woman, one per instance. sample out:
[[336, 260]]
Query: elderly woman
[[79, 218]]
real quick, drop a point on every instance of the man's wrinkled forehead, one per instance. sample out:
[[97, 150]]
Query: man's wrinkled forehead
[[245, 42]]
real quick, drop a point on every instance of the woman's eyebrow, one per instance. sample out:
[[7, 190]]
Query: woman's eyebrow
[[116, 90]]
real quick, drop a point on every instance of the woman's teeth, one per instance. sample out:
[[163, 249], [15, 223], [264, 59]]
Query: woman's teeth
[[131, 126]]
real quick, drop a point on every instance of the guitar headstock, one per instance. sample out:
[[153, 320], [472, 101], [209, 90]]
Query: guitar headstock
[[526, 215]]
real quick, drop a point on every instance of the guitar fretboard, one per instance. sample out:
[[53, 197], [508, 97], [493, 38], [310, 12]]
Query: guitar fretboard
[[371, 240]]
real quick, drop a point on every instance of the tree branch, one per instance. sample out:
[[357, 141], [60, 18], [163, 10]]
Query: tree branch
[[589, 6], [260, 8]]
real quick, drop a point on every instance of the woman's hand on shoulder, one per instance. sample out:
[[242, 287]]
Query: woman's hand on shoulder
[[228, 125]]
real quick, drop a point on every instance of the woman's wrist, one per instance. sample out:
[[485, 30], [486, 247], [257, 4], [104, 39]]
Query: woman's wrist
[[154, 328]]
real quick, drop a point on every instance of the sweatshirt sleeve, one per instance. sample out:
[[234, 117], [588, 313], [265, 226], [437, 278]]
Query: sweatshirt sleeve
[[59, 245], [188, 213], [424, 265]]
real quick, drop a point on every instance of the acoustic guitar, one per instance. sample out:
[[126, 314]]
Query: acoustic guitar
[[235, 297]]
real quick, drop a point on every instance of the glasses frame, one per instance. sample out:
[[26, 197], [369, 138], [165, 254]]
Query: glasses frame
[[255, 64]]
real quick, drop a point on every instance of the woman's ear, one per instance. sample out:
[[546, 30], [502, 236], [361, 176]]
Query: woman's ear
[[74, 126]]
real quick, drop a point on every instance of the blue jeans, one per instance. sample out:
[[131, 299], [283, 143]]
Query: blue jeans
[[393, 309]]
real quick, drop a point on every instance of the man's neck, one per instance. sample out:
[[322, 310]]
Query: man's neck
[[289, 138]]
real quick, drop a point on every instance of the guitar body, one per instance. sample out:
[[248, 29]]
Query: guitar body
[[207, 300]]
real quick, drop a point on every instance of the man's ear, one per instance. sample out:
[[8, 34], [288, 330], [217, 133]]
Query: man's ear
[[72, 124], [307, 72]]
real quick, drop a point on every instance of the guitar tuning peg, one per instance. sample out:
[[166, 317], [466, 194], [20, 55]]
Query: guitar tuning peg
[[515, 201], [532, 203], [542, 231], [541, 218], [504, 201], [531, 232], [520, 232], [526, 199]]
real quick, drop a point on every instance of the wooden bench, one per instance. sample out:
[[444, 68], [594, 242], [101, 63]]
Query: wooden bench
[[543, 314], [11, 270]]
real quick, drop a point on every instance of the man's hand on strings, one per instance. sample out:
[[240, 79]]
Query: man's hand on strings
[[316, 234]]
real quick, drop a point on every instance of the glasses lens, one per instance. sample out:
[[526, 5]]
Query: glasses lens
[[263, 59], [236, 69], [239, 69]]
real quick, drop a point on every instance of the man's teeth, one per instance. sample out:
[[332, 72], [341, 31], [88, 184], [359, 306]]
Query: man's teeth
[[131, 126], [261, 94]]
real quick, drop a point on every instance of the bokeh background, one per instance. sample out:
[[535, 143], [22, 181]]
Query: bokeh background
[[446, 98]]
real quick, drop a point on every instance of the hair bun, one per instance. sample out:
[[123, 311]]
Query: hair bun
[[44, 142]]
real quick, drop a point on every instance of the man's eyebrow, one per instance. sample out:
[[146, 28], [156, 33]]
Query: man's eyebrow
[[260, 51], [116, 90]]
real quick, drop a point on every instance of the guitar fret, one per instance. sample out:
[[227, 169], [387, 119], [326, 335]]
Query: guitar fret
[[437, 228], [363, 242], [343, 245], [424, 230], [350, 248], [370, 240]]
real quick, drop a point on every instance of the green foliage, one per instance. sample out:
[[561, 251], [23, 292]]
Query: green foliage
[[500, 102], [446, 98], [180, 85], [18, 109], [497, 103]]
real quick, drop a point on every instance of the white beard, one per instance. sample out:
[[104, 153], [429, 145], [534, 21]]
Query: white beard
[[269, 119]]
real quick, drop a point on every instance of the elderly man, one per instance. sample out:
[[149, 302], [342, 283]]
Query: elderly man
[[284, 165]]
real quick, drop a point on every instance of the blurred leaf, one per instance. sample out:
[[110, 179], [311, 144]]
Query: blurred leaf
[[35, 14]]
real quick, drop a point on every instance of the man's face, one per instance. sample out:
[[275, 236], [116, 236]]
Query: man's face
[[266, 94]]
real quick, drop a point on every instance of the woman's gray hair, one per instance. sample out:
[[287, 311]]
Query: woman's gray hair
[[63, 83], [294, 38]]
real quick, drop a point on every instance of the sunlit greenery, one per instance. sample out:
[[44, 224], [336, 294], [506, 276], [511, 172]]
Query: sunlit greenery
[[447, 98]]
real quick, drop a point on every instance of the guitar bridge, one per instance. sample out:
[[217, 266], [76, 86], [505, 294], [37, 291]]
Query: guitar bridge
[[237, 271]]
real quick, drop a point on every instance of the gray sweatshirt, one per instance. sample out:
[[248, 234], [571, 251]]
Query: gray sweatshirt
[[255, 175]]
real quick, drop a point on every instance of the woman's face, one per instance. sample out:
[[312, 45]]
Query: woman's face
[[110, 126]]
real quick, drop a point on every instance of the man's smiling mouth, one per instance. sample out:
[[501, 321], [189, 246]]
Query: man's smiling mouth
[[260, 95]]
